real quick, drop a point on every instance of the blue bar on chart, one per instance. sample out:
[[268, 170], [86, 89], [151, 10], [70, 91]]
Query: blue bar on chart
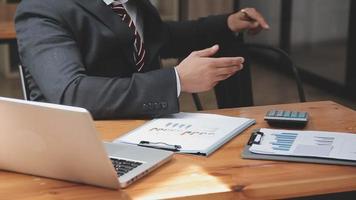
[[283, 141]]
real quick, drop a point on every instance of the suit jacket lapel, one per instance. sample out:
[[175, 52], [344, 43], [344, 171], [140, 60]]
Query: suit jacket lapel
[[153, 30], [104, 13]]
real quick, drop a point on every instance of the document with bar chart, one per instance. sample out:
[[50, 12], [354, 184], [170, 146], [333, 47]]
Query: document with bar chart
[[323, 144], [195, 133]]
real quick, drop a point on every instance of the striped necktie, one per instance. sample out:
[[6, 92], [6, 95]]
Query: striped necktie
[[139, 50]]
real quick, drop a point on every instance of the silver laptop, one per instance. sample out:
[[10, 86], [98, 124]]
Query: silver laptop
[[61, 142]]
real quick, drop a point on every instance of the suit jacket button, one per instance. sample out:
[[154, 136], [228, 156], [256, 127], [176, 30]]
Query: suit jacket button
[[164, 105], [150, 106], [157, 106]]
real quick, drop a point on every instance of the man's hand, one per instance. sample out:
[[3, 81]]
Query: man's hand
[[247, 19], [200, 72]]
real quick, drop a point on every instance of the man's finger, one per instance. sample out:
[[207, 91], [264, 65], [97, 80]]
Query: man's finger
[[228, 71], [207, 52], [223, 77], [226, 61], [248, 24], [254, 15]]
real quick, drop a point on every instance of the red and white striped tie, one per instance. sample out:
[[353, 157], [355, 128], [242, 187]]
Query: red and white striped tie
[[139, 54]]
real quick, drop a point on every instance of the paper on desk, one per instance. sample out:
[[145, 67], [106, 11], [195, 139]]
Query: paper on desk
[[323, 144], [195, 132]]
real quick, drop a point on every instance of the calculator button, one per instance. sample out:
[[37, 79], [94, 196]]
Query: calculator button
[[302, 114], [279, 113], [271, 113], [294, 115], [286, 114]]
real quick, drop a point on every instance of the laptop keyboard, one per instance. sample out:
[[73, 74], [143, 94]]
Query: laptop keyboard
[[123, 166]]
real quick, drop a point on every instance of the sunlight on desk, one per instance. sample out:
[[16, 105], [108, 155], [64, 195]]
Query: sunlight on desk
[[192, 180]]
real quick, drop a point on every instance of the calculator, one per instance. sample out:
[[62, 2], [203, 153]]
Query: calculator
[[286, 118]]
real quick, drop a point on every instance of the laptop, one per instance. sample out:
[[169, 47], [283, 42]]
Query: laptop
[[61, 142]]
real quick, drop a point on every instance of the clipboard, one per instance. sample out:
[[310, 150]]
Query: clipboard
[[247, 154], [191, 133]]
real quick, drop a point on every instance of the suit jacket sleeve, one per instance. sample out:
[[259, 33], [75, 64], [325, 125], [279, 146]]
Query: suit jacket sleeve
[[187, 36], [50, 53]]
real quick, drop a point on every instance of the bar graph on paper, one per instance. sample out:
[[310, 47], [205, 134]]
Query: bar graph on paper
[[193, 131], [307, 143], [183, 129], [283, 141]]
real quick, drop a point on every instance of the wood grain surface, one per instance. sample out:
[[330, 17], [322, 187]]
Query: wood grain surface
[[7, 26], [223, 175]]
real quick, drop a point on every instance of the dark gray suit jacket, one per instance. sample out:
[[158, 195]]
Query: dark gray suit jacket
[[78, 52]]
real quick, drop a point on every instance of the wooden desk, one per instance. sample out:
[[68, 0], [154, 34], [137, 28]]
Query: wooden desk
[[223, 175], [7, 26]]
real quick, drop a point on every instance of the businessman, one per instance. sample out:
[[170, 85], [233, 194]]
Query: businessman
[[104, 55]]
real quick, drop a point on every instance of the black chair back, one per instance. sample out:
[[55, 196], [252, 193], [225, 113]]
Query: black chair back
[[237, 90]]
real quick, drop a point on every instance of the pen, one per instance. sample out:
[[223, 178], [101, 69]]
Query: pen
[[160, 145]]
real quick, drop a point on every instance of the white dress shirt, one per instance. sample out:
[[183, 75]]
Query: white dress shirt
[[131, 9]]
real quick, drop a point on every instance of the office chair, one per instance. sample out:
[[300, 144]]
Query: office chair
[[272, 55], [278, 58], [24, 84]]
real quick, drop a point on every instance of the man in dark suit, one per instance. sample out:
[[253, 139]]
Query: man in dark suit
[[103, 55]]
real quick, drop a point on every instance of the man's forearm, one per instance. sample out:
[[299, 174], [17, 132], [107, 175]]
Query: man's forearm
[[143, 95]]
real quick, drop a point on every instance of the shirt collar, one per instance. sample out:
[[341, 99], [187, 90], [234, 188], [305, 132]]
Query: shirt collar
[[108, 2]]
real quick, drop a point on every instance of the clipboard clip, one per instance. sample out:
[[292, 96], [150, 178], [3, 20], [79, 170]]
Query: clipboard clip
[[256, 138], [160, 145]]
